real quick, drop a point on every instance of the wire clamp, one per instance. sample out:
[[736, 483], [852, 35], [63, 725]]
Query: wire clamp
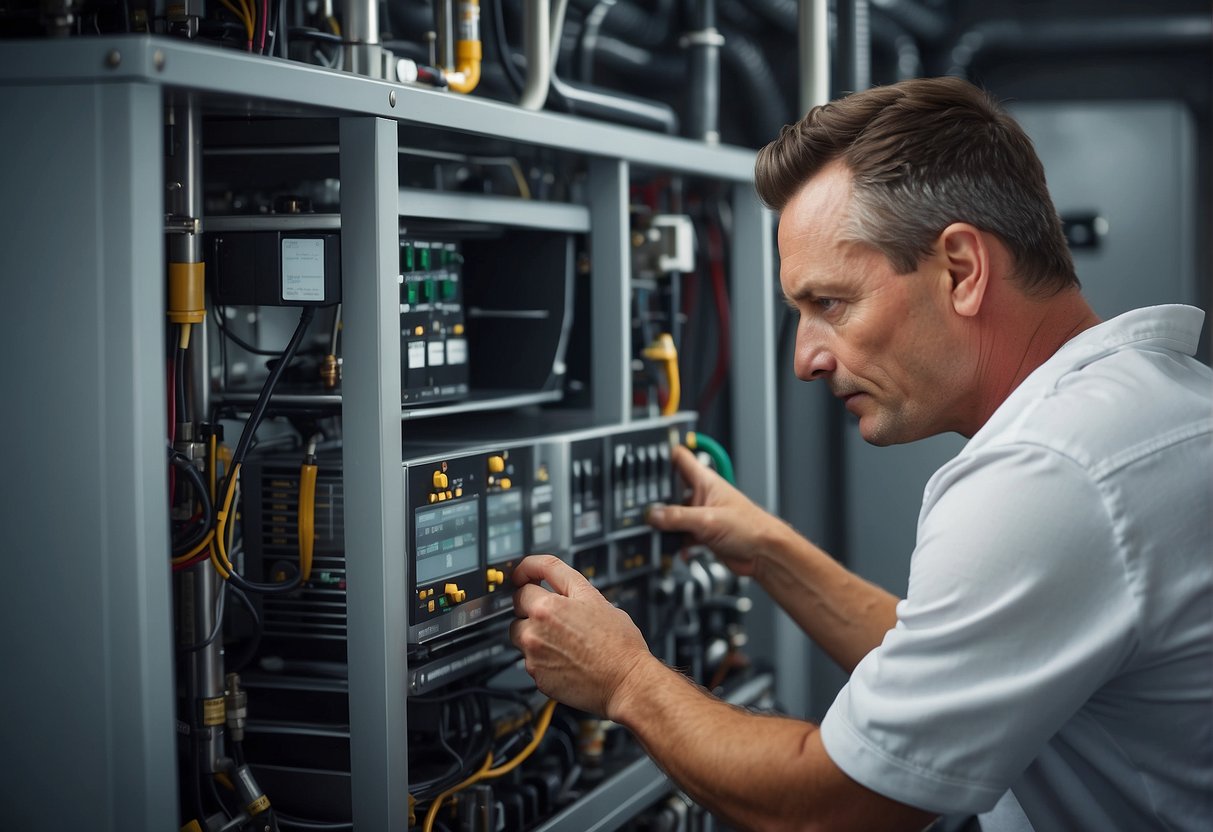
[[704, 37]]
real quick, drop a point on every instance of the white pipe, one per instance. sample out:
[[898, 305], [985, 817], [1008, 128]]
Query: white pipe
[[814, 54], [536, 44]]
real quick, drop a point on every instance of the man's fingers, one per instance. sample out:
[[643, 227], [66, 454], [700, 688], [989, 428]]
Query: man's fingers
[[691, 469], [525, 599], [560, 576], [675, 518]]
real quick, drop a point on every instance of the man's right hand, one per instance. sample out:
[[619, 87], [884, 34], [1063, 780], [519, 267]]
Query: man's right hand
[[718, 516]]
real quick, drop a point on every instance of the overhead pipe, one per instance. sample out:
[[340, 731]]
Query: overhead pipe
[[463, 75], [703, 43], [813, 28], [1115, 34], [925, 24], [362, 50], [540, 32], [853, 40], [888, 33]]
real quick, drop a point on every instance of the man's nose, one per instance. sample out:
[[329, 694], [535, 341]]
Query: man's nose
[[813, 358]]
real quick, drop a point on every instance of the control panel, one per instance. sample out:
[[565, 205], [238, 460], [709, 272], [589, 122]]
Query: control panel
[[433, 339], [580, 495]]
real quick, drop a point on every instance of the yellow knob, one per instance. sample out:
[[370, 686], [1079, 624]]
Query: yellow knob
[[439, 479], [457, 329], [450, 589], [496, 464], [433, 498], [441, 496], [505, 483], [429, 606], [458, 492], [419, 330]]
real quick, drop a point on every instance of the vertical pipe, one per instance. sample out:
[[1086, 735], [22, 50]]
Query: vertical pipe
[[704, 42], [200, 584], [364, 54], [537, 46], [444, 28], [854, 41], [814, 53]]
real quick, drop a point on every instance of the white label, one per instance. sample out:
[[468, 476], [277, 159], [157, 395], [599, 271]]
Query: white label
[[416, 355], [437, 356], [302, 269], [456, 351]]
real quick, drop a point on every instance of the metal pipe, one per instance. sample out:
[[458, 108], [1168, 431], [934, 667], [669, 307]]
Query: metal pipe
[[537, 46], [363, 53], [917, 19], [1117, 34], [444, 29], [814, 36], [704, 42]]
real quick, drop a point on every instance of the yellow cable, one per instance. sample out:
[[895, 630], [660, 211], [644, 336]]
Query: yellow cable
[[307, 519], [665, 353], [486, 772], [219, 555], [241, 14], [334, 25], [428, 826]]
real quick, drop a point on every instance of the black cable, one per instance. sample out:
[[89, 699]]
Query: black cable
[[504, 52], [237, 340], [183, 464], [215, 630], [235, 665], [126, 15], [267, 389], [291, 822]]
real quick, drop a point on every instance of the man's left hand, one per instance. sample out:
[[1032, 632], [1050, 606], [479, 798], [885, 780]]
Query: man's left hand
[[577, 646]]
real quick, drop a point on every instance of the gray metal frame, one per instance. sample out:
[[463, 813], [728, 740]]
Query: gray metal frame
[[374, 490], [83, 263], [88, 659]]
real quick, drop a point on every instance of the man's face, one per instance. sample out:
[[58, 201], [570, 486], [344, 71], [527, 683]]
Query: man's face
[[883, 342]]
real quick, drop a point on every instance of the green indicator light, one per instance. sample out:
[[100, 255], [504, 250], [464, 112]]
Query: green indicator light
[[442, 601], [411, 292], [407, 257], [448, 289], [429, 290], [425, 259]]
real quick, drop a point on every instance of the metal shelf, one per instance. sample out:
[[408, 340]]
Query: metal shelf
[[478, 402], [430, 205], [258, 85]]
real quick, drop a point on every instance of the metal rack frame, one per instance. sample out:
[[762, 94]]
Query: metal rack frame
[[82, 262]]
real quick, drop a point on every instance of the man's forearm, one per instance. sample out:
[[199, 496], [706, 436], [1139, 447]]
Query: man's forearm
[[749, 769], [846, 615]]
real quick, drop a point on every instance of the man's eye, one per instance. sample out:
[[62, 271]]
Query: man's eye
[[826, 304]]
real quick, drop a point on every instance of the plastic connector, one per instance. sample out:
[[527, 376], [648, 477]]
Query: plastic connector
[[187, 293]]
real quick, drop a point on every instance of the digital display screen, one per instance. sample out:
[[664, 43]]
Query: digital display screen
[[447, 540], [505, 525]]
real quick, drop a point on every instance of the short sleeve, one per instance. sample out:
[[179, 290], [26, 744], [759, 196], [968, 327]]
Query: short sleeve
[[1018, 609]]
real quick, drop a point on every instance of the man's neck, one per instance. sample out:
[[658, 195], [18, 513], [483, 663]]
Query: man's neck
[[1020, 339]]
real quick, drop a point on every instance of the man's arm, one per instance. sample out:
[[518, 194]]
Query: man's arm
[[846, 615], [758, 772]]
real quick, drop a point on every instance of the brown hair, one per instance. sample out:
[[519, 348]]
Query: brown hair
[[923, 154]]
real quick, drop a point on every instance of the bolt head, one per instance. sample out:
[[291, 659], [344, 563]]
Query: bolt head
[[158, 59], [391, 98], [113, 58]]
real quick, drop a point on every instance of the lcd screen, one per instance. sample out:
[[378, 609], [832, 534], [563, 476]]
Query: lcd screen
[[447, 540], [505, 525]]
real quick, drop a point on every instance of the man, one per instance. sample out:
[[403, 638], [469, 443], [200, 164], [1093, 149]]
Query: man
[[1057, 635]]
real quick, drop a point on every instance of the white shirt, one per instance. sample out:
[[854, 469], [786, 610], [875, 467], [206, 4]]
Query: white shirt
[[1057, 635]]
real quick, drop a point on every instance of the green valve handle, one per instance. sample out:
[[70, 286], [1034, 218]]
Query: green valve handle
[[715, 451]]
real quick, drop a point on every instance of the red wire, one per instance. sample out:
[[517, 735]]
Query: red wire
[[265, 24], [721, 295]]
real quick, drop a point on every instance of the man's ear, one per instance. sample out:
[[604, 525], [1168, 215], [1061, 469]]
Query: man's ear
[[967, 254]]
